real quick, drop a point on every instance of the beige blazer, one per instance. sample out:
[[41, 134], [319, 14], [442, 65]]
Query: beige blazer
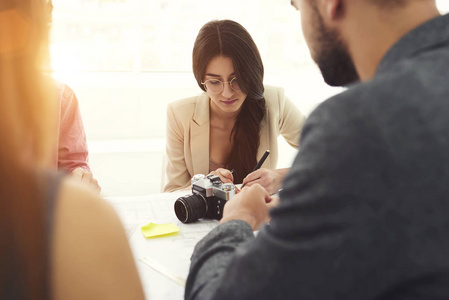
[[187, 146]]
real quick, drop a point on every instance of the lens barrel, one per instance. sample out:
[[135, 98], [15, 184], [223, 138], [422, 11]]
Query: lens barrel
[[188, 209]]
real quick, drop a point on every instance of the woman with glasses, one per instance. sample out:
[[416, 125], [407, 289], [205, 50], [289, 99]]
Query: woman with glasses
[[58, 240], [234, 121]]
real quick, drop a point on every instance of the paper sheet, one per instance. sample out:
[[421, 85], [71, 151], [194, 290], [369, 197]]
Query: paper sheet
[[164, 271], [169, 255]]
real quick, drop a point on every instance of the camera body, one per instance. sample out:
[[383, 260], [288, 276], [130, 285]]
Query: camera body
[[209, 195]]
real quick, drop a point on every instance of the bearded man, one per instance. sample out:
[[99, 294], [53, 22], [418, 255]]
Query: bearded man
[[363, 213]]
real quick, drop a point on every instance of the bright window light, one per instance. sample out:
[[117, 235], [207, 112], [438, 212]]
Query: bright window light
[[158, 35]]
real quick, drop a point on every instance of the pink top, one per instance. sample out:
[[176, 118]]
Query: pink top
[[72, 149]]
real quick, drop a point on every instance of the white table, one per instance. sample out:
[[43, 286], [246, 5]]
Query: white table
[[162, 262]]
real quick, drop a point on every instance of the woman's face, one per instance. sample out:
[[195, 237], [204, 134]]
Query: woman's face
[[228, 101]]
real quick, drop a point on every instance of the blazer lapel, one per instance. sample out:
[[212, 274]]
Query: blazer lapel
[[199, 136]]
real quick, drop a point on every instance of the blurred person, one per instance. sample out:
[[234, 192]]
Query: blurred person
[[71, 153], [362, 213], [235, 120], [58, 239]]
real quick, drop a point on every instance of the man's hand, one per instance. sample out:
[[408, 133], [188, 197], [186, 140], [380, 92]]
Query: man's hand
[[87, 178], [251, 205], [271, 180], [224, 174]]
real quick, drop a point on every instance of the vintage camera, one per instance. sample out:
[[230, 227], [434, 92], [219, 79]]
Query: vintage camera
[[208, 198]]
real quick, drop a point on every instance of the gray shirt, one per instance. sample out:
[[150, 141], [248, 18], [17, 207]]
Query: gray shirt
[[364, 211]]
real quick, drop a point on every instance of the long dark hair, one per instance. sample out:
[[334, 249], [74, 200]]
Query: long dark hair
[[230, 39], [25, 127]]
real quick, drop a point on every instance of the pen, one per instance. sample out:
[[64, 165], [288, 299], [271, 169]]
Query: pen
[[259, 163]]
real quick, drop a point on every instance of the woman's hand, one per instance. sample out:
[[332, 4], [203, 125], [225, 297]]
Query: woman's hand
[[271, 180], [224, 174]]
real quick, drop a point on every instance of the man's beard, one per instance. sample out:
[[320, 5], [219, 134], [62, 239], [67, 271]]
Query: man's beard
[[333, 57]]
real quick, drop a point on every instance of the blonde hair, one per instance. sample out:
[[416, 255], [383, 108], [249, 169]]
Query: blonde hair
[[28, 110], [26, 134]]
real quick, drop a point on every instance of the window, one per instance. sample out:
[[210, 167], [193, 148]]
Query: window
[[126, 59], [135, 55], [158, 35]]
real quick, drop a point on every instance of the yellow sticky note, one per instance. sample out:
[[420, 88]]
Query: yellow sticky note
[[152, 230]]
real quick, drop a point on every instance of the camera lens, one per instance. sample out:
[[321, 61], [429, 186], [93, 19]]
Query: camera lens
[[188, 209]]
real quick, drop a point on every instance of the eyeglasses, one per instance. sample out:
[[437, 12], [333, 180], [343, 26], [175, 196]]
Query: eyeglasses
[[215, 86]]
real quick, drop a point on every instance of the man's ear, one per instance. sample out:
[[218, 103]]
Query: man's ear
[[333, 8]]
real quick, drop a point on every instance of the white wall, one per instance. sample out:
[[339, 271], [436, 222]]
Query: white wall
[[124, 118], [105, 49]]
